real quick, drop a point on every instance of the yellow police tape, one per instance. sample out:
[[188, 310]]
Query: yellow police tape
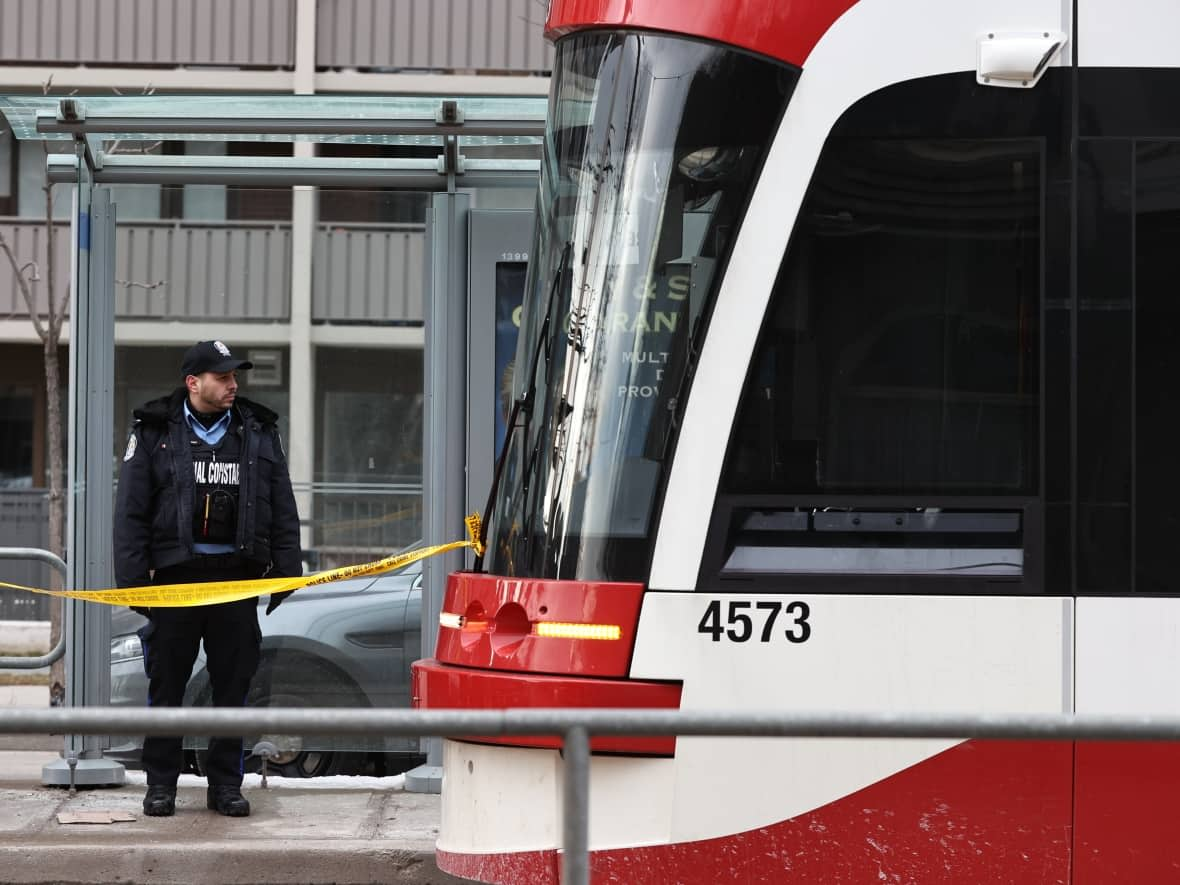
[[178, 595]]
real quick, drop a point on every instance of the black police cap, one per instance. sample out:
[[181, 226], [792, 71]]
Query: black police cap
[[210, 356]]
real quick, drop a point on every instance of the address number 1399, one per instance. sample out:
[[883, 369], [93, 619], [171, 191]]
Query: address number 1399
[[745, 620]]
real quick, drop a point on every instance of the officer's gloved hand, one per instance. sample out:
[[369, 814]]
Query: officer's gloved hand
[[276, 599]]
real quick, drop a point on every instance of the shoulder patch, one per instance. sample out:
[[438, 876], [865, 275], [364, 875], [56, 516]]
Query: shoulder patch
[[130, 453]]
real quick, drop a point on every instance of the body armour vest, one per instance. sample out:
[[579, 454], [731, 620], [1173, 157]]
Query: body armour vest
[[216, 476]]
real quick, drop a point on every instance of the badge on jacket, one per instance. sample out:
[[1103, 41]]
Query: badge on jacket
[[130, 453]]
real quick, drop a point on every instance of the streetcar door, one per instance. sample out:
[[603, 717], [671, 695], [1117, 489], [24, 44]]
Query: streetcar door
[[1128, 613]]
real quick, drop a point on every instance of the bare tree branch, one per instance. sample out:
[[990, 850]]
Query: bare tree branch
[[48, 85], [23, 284]]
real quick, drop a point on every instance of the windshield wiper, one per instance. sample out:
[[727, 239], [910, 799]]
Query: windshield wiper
[[525, 403], [675, 404]]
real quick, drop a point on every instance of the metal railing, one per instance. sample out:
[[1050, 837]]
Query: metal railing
[[368, 272], [577, 725], [359, 522], [164, 33], [433, 35], [494, 36], [24, 517], [35, 663], [191, 270]]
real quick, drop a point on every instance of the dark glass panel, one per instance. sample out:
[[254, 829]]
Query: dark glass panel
[[901, 353], [1157, 364], [1104, 381]]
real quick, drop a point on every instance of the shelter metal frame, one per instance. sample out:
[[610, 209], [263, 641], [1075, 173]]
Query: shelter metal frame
[[87, 125]]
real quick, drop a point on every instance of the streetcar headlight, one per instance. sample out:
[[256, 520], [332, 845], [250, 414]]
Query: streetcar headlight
[[570, 630], [521, 626]]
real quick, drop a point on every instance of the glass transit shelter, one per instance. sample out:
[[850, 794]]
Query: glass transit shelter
[[372, 273]]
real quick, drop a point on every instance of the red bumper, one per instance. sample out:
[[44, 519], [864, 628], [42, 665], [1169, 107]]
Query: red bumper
[[438, 686]]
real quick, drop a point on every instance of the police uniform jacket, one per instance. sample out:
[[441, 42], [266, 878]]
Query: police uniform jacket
[[154, 509]]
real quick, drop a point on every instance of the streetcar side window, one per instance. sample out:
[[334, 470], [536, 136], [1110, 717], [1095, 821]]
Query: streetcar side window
[[901, 352], [890, 421]]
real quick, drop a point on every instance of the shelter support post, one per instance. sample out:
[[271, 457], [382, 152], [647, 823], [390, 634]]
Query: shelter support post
[[444, 446], [87, 627]]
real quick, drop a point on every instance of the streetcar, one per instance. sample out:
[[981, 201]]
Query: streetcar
[[846, 382]]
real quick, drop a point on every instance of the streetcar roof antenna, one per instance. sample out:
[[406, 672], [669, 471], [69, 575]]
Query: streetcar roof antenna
[[1016, 59]]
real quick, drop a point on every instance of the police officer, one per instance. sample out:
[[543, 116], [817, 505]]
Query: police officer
[[204, 495]]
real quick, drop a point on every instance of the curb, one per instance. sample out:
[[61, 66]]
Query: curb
[[345, 862]]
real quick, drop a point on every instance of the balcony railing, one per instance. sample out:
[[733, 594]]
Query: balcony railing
[[27, 240], [195, 271], [494, 36], [434, 35], [231, 33], [239, 270], [368, 273]]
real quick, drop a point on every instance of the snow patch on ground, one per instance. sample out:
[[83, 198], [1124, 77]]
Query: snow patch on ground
[[252, 781]]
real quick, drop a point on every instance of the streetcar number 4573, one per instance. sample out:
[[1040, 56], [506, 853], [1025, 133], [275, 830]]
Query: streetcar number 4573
[[745, 619]]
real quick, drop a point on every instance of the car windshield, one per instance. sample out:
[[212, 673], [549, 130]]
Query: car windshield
[[652, 148], [413, 568]]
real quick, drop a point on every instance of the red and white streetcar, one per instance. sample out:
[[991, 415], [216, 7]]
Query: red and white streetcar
[[847, 382]]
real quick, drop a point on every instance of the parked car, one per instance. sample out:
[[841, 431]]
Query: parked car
[[344, 644]]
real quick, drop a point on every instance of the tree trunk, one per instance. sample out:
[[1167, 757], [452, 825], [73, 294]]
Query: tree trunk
[[57, 509], [57, 468]]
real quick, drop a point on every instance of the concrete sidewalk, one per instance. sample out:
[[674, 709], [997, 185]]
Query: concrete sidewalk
[[341, 830], [24, 695]]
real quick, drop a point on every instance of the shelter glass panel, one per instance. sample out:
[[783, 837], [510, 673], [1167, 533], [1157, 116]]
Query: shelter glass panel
[[180, 280]]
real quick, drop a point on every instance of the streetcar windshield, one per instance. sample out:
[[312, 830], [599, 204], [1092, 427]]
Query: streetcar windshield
[[652, 149]]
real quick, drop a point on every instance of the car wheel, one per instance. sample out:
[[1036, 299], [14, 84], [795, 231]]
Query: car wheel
[[292, 684], [288, 757]]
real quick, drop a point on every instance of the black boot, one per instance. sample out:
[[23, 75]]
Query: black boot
[[227, 800], [160, 801]]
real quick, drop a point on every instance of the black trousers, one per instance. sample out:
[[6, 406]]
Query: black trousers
[[171, 639]]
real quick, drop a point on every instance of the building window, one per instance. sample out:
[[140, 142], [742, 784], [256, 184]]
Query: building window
[[16, 437], [8, 172], [342, 205], [368, 471], [254, 203]]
